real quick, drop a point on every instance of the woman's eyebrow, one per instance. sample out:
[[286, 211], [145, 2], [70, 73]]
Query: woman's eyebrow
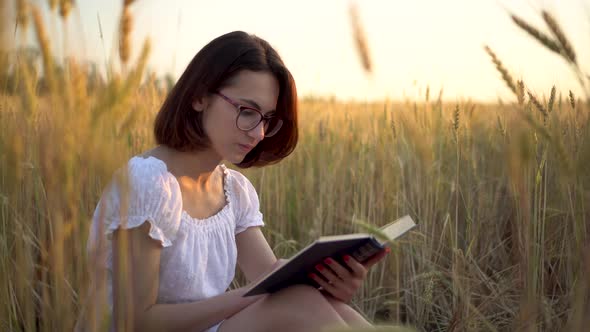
[[255, 105], [251, 102]]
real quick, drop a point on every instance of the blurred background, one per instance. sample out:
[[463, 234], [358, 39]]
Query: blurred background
[[413, 44]]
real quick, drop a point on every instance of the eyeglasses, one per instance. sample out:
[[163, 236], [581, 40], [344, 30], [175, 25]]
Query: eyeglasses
[[248, 118]]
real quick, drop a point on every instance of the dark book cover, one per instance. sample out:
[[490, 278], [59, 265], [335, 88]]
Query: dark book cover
[[360, 246]]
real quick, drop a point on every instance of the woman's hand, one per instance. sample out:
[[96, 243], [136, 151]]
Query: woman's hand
[[343, 283]]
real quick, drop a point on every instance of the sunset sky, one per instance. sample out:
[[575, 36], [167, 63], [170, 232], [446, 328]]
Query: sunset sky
[[413, 43]]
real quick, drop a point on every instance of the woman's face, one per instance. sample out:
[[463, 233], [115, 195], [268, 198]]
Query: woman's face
[[259, 90]]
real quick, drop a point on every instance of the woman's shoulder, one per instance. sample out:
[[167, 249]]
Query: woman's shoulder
[[146, 165], [247, 206], [150, 162], [146, 191], [145, 175], [236, 179], [239, 185]]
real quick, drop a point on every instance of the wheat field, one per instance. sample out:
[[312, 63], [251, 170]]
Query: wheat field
[[500, 192]]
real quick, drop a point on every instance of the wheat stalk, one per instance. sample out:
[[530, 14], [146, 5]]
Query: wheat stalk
[[572, 100], [43, 41], [125, 33], [26, 91], [551, 100], [538, 105], [22, 14], [538, 35], [559, 44], [52, 5], [4, 10], [520, 92], [566, 46], [456, 119], [501, 127], [65, 7], [321, 130], [360, 39], [500, 67], [392, 124]]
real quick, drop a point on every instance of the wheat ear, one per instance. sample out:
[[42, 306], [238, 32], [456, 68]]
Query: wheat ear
[[65, 7], [360, 39], [566, 46], [538, 35], [537, 103], [572, 100], [125, 33], [500, 67], [551, 100]]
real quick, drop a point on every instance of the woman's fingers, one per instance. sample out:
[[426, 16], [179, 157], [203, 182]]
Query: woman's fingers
[[338, 269], [334, 289], [341, 282], [357, 268], [377, 258], [328, 274], [323, 283]]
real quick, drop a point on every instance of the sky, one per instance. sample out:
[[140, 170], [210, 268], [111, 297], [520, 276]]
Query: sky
[[413, 44]]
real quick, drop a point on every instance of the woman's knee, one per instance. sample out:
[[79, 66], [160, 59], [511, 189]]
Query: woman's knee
[[348, 314], [298, 291], [301, 302], [338, 305], [297, 308], [299, 296]]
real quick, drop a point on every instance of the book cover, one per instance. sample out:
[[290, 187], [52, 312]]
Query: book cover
[[361, 246]]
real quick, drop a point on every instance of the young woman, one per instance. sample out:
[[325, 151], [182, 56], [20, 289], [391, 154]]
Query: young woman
[[174, 234]]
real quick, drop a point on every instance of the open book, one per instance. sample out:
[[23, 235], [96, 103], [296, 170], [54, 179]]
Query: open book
[[361, 246]]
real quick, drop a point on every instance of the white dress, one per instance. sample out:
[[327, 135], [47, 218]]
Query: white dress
[[198, 257]]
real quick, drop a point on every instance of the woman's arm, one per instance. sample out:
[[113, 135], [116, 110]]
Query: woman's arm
[[136, 264], [254, 254]]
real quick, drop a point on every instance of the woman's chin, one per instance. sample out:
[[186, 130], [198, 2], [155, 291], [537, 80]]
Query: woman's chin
[[235, 155], [236, 158]]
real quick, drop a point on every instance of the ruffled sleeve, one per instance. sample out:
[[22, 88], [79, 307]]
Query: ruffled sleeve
[[146, 192], [247, 208]]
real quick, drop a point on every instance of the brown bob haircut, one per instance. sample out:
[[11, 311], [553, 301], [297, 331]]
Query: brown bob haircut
[[179, 127]]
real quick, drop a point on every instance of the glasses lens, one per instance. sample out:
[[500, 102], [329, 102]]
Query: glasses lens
[[248, 119], [272, 126]]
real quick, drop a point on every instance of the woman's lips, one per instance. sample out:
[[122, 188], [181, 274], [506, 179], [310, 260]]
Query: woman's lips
[[245, 147]]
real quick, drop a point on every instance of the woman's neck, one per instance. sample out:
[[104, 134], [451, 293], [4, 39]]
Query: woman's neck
[[198, 166]]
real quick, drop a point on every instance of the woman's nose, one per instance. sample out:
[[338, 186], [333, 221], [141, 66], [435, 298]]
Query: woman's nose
[[257, 132]]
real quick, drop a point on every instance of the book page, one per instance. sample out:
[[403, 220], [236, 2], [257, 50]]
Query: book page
[[397, 228]]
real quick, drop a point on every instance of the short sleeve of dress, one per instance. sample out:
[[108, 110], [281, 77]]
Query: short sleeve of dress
[[247, 208], [146, 192]]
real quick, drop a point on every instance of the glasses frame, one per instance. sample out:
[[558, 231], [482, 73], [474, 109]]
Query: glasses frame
[[239, 107]]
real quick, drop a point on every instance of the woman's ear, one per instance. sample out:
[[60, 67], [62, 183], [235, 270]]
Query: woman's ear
[[199, 105]]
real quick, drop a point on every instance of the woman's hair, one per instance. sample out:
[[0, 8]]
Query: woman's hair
[[178, 126]]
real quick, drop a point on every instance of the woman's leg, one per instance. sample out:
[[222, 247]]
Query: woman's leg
[[348, 314], [297, 308]]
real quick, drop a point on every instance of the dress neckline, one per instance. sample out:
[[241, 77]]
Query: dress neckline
[[226, 192]]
